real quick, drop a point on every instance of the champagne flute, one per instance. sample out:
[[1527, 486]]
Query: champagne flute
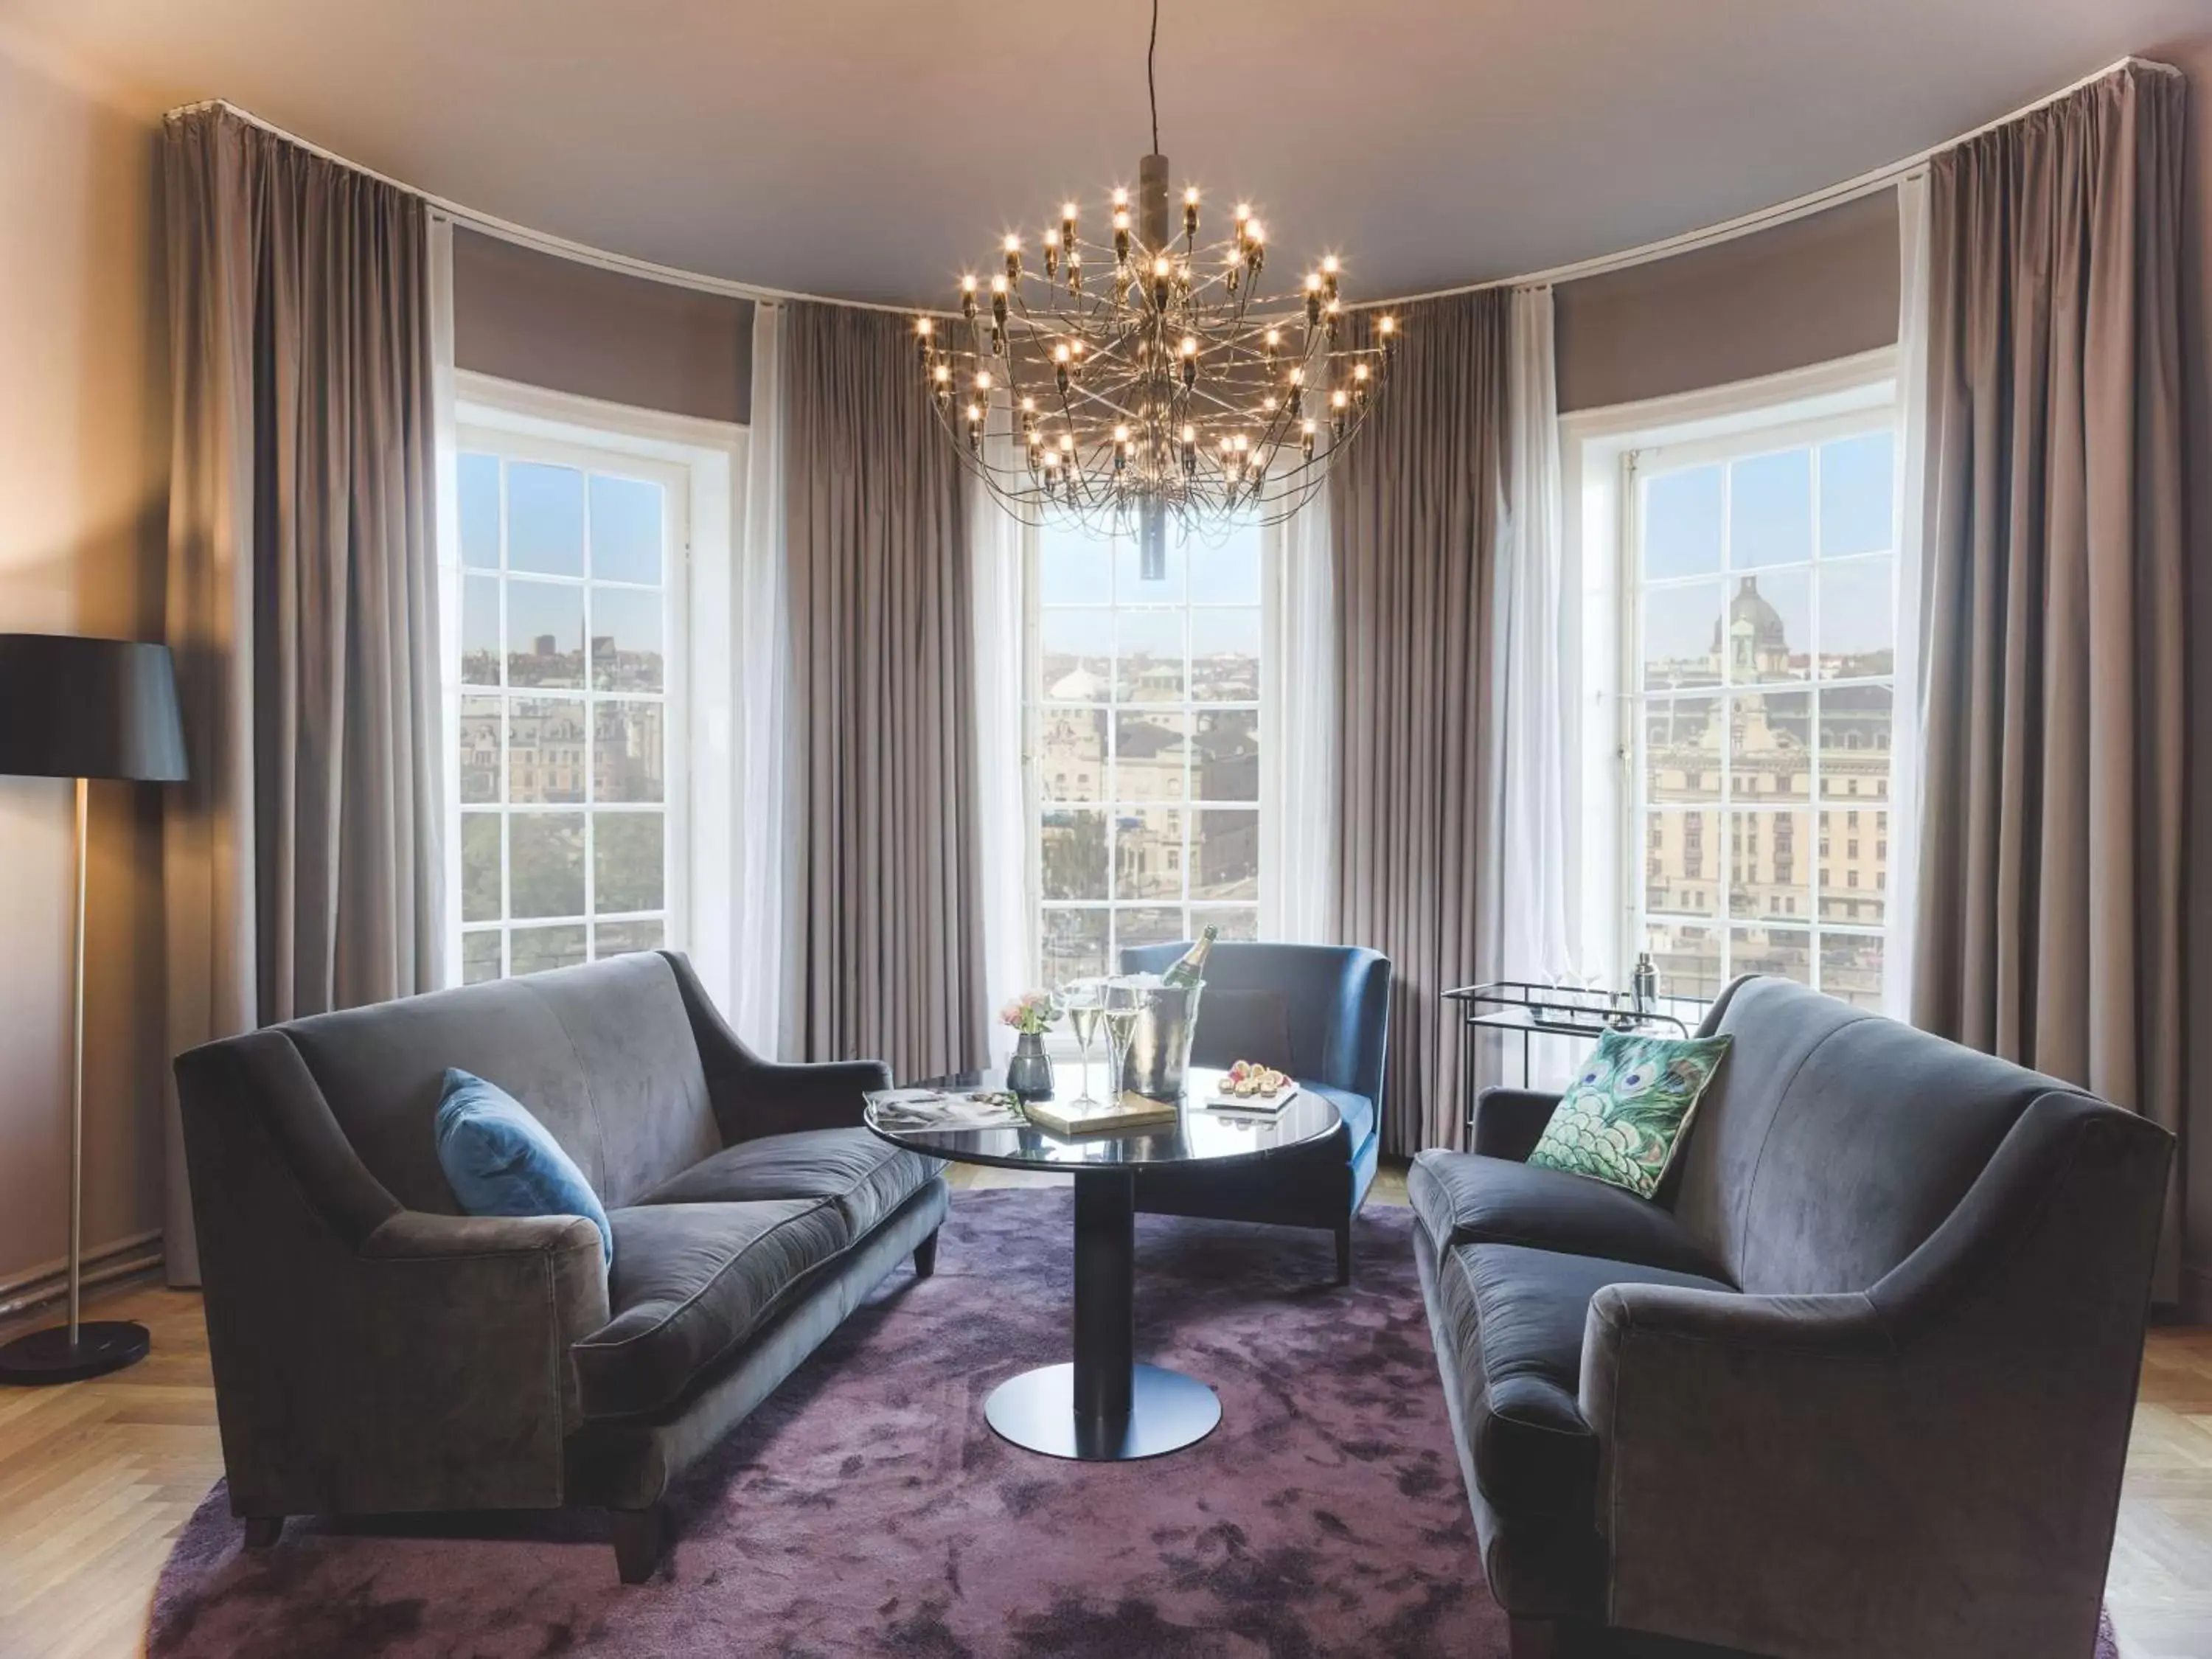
[[1124, 1000], [1083, 1001]]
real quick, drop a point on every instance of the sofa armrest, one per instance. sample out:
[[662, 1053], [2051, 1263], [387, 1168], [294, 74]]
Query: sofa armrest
[[1509, 1123], [754, 1097], [367, 1359]]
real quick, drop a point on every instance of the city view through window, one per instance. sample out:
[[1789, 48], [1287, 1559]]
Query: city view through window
[[1145, 731], [563, 740], [1764, 675]]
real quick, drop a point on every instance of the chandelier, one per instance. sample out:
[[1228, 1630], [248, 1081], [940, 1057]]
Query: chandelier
[[1116, 386]]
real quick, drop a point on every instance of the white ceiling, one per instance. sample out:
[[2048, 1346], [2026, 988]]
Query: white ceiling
[[870, 148]]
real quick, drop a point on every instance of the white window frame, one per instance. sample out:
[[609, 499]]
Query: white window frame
[[702, 464], [1601, 525], [1268, 807]]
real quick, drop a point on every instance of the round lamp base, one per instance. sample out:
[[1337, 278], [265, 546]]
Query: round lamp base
[[102, 1346]]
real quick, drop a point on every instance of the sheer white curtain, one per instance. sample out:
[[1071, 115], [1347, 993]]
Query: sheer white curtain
[[1527, 852], [1912, 611], [1297, 672], [999, 553], [759, 969]]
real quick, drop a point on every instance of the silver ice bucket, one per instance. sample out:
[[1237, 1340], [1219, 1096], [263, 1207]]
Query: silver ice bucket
[[1159, 1042]]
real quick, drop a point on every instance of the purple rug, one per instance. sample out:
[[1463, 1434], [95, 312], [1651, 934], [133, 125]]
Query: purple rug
[[866, 1509]]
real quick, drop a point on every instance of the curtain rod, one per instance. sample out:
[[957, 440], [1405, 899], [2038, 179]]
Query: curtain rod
[[1767, 218], [1782, 213], [544, 241]]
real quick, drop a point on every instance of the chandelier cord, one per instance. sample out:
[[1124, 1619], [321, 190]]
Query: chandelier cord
[[1151, 91]]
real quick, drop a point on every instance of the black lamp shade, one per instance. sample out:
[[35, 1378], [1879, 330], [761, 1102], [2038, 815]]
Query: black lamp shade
[[76, 708]]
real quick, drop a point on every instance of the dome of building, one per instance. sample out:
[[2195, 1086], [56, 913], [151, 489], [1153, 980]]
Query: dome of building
[[1750, 609]]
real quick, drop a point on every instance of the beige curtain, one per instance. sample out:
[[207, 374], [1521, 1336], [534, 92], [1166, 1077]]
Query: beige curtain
[[884, 908], [2047, 924], [301, 864], [1416, 507]]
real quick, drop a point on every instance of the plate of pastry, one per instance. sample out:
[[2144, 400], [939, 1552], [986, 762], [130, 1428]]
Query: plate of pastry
[[1249, 1086]]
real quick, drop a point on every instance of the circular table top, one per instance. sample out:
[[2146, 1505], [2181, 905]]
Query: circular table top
[[1200, 1135]]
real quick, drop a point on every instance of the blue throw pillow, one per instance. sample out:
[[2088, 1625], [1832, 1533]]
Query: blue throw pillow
[[500, 1160]]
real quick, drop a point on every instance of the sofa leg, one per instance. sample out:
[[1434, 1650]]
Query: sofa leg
[[640, 1536], [263, 1530], [1344, 1254], [925, 1256]]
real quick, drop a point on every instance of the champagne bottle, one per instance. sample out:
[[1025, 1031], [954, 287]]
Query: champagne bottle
[[1190, 968]]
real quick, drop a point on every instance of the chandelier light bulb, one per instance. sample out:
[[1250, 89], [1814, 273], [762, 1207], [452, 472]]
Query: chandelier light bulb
[[1066, 443], [1121, 197], [983, 381]]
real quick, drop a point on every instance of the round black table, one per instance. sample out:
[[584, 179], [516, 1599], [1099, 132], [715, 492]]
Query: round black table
[[1105, 1407]]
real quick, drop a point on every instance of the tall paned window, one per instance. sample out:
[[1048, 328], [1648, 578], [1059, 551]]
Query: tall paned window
[[571, 570], [1762, 672], [1146, 732]]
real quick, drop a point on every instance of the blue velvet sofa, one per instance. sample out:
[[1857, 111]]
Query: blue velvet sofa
[[1321, 1013]]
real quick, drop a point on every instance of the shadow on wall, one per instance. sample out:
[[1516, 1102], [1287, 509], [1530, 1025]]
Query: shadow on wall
[[83, 523]]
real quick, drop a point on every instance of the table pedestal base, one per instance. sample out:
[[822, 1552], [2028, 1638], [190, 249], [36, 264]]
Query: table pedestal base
[[1168, 1411]]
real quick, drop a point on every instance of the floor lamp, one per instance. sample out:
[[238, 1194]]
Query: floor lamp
[[73, 708]]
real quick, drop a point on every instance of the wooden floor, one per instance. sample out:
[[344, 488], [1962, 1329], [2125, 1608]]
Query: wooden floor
[[96, 1479]]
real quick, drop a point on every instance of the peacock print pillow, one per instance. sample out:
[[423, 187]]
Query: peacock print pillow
[[1624, 1115]]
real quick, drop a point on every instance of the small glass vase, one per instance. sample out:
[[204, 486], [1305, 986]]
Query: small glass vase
[[1028, 1072]]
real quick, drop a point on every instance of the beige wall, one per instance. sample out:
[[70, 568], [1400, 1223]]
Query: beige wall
[[1806, 292], [83, 461], [547, 321]]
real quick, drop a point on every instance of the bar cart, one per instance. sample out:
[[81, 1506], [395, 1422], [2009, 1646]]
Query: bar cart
[[1534, 1010]]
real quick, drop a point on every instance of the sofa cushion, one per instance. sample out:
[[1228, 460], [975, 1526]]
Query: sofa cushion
[[1515, 1317], [1357, 1111], [602, 1054], [1464, 1198], [865, 1176], [1834, 1142], [501, 1161], [690, 1282], [1623, 1118]]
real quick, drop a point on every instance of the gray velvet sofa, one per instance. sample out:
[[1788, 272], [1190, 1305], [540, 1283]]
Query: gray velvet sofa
[[1858, 1383], [376, 1352]]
